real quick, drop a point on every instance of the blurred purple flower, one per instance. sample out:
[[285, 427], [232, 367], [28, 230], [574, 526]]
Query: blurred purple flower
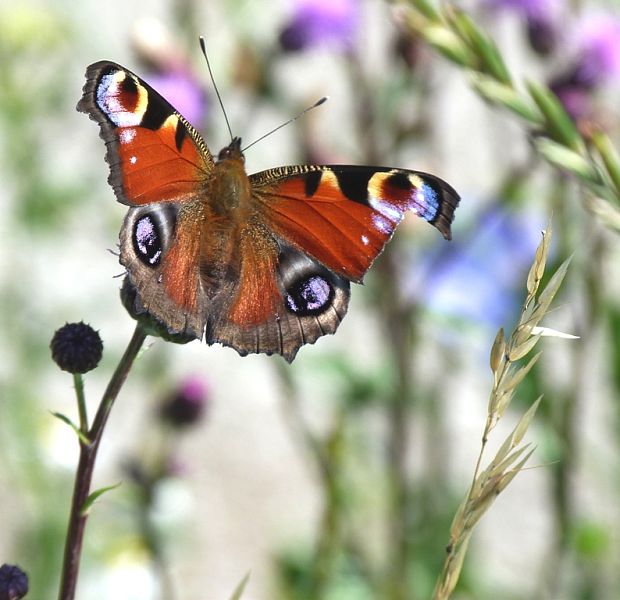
[[597, 63], [187, 404], [480, 279], [599, 54], [317, 22], [542, 19], [531, 9], [183, 91]]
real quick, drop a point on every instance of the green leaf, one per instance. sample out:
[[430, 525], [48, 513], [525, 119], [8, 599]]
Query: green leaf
[[559, 124], [240, 587], [483, 47], [506, 96], [427, 9], [92, 498], [610, 158], [606, 212], [444, 41], [81, 435], [569, 160], [591, 540]]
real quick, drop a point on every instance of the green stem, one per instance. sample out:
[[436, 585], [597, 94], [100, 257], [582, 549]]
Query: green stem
[[86, 466], [78, 382], [152, 541], [330, 534], [399, 320]]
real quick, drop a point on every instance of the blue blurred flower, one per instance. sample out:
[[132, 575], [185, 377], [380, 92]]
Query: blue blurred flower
[[317, 22], [596, 64], [183, 91], [480, 279]]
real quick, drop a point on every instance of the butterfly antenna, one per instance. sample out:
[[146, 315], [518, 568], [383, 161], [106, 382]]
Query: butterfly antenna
[[301, 114], [203, 47]]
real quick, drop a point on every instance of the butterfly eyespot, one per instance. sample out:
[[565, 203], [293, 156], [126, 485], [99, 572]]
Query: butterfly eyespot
[[152, 229], [147, 240], [309, 296]]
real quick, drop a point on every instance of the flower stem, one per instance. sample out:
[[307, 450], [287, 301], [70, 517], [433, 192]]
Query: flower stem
[[78, 382], [86, 465]]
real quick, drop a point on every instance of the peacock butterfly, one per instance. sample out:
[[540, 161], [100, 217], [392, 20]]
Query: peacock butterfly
[[261, 263]]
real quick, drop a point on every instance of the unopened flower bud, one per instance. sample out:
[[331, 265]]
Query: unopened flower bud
[[187, 404], [76, 348], [13, 582]]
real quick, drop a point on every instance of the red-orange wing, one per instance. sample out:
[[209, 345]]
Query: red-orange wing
[[344, 215], [154, 153]]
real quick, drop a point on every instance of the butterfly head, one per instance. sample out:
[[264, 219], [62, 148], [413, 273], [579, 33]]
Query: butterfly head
[[232, 151]]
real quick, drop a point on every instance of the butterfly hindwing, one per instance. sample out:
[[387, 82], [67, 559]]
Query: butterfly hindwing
[[159, 247], [343, 215], [153, 152], [279, 302]]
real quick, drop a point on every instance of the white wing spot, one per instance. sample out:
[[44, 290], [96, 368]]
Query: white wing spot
[[386, 209], [127, 135], [382, 224]]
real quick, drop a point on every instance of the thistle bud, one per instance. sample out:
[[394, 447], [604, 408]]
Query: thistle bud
[[76, 348]]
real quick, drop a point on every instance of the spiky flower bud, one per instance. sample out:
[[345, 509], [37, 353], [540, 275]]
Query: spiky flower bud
[[76, 348], [13, 582]]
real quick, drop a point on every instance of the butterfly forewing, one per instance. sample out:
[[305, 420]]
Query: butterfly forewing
[[160, 166], [154, 153], [344, 215]]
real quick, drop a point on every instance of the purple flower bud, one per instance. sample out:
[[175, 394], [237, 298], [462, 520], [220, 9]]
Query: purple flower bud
[[596, 63], [531, 9], [598, 41], [542, 19], [542, 35], [13, 582], [187, 404], [317, 22]]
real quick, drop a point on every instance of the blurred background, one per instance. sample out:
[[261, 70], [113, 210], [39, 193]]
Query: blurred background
[[336, 477]]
